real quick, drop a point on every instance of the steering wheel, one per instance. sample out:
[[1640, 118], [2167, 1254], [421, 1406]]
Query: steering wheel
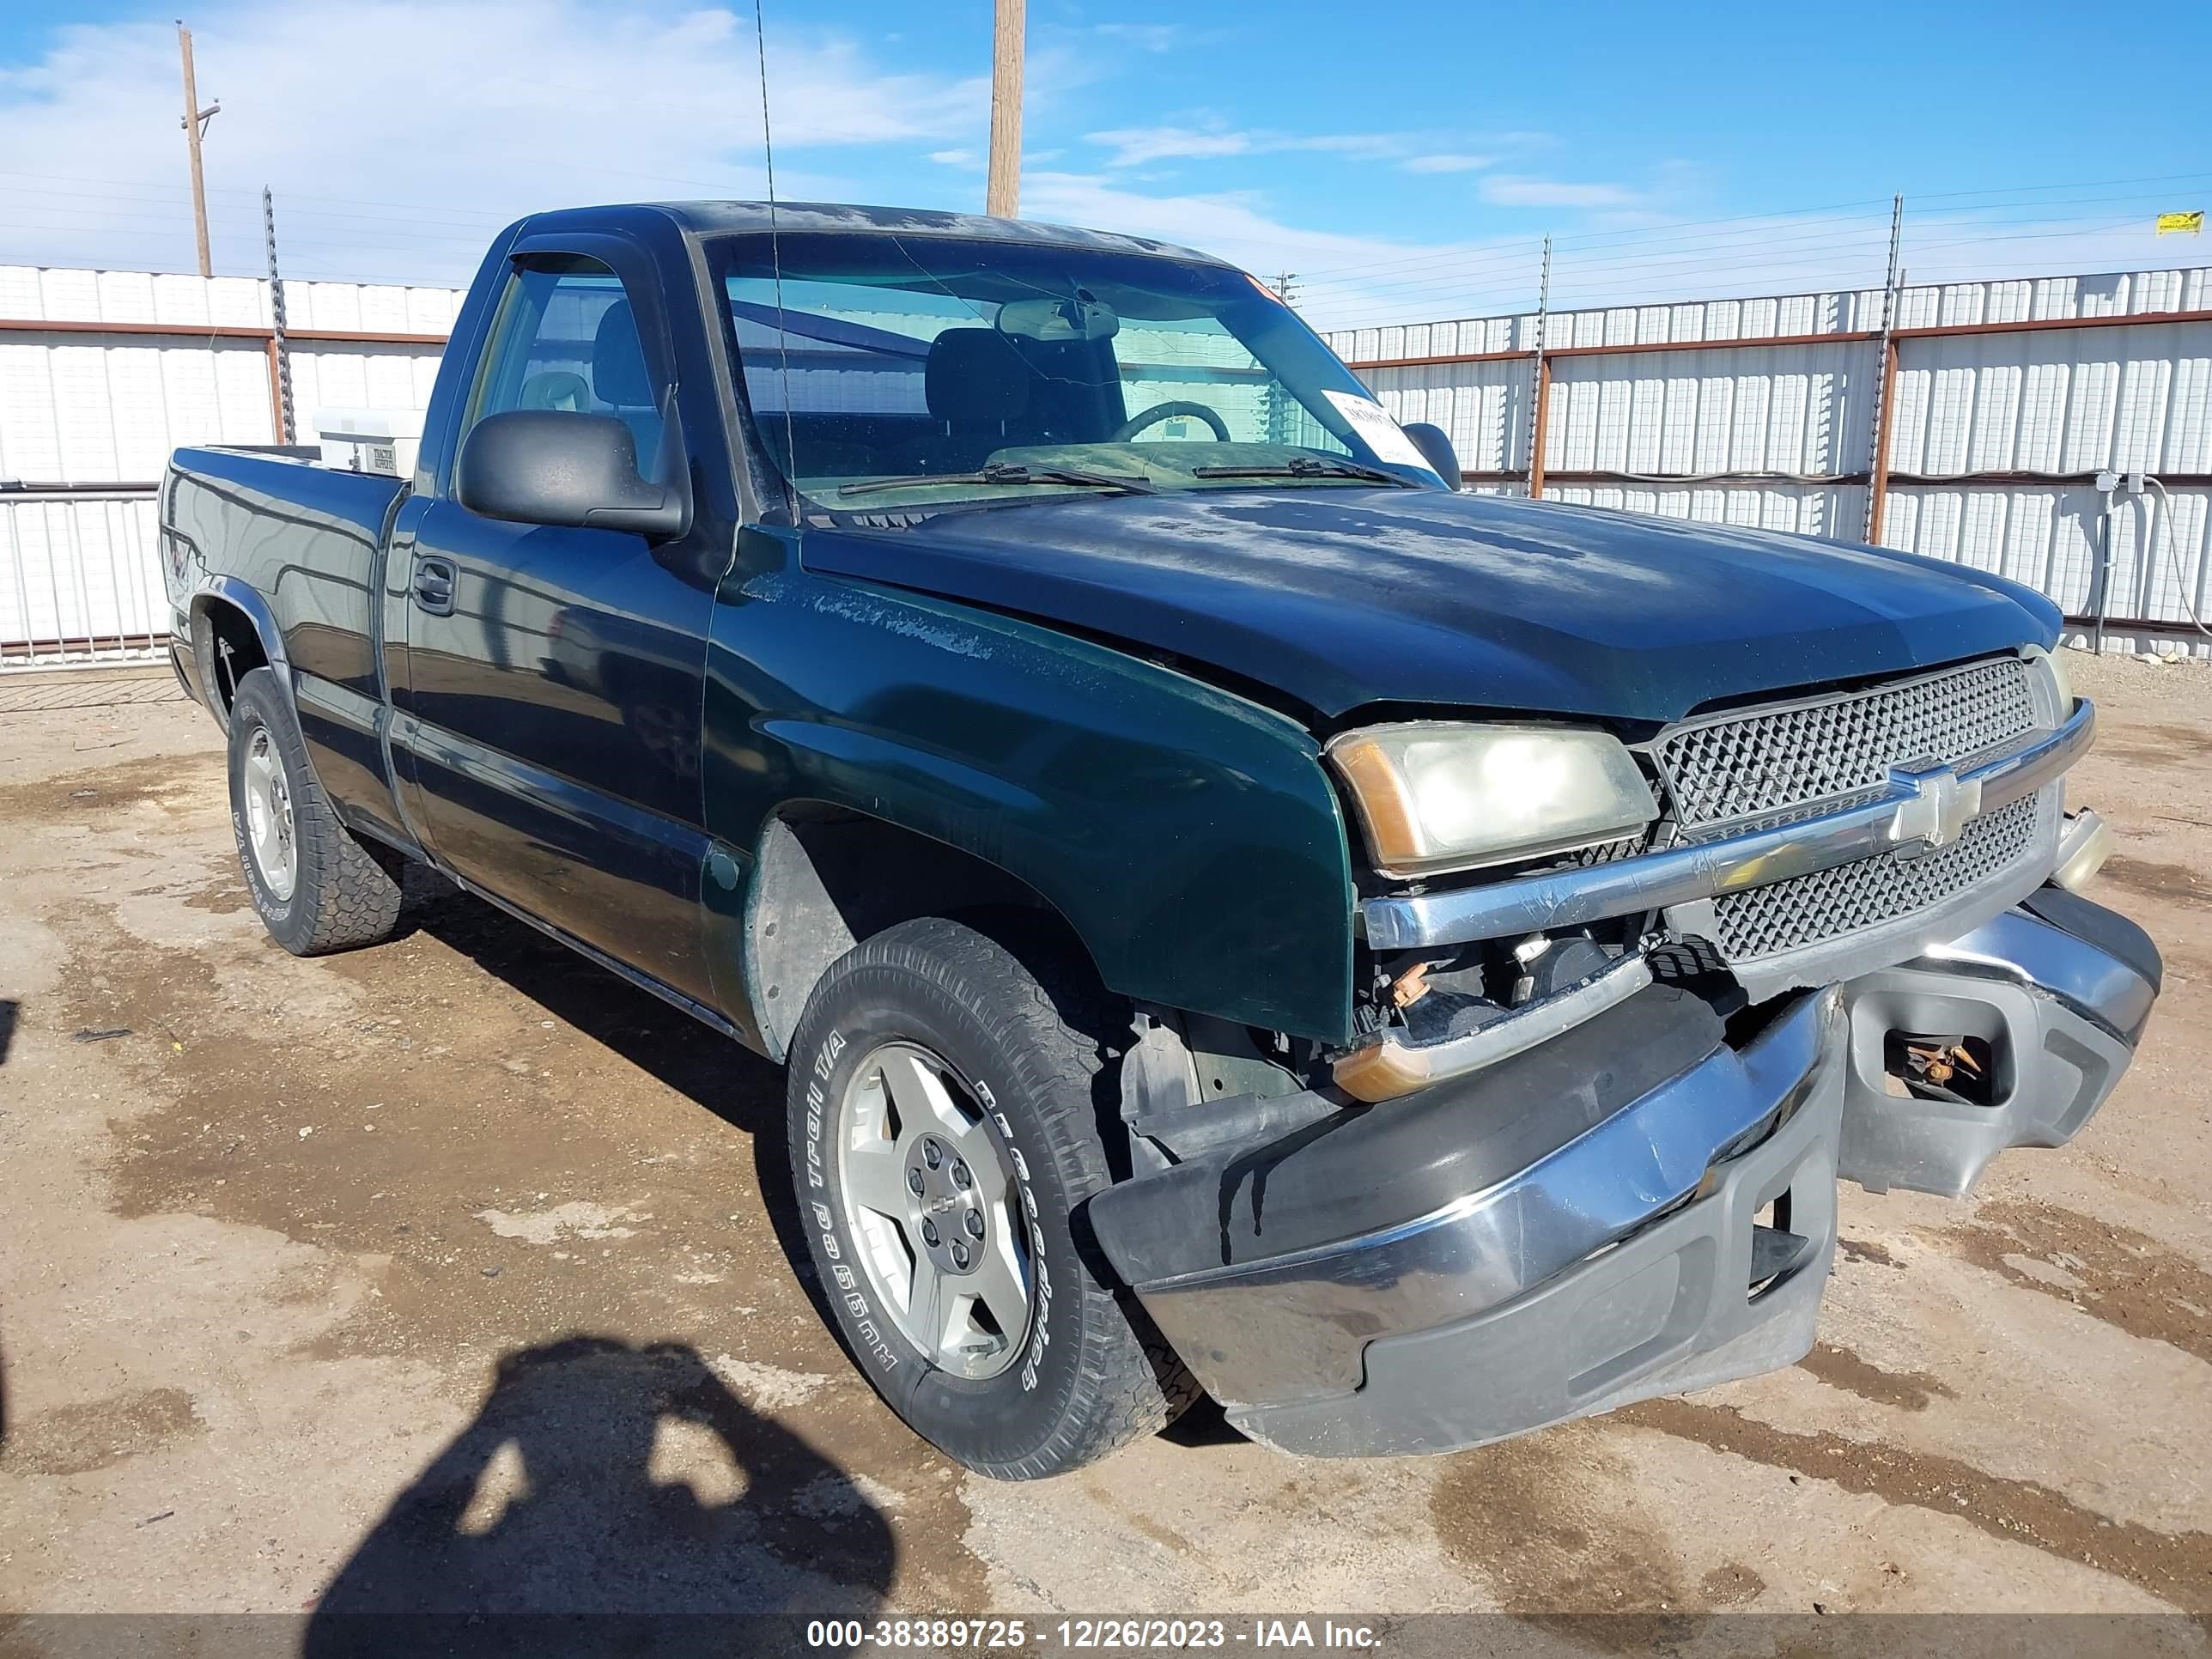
[[1136, 423]]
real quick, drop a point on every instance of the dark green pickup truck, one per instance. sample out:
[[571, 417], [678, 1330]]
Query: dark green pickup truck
[[1239, 915]]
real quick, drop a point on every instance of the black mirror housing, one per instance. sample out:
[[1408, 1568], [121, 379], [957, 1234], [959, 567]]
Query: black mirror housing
[[559, 467], [1436, 449]]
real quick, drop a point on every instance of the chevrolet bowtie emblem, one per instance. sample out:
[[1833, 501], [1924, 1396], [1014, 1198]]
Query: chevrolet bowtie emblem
[[1940, 804]]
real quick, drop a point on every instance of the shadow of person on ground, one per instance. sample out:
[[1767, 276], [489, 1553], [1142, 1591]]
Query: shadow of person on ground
[[552, 1523]]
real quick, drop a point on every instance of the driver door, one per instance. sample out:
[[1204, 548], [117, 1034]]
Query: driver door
[[555, 674]]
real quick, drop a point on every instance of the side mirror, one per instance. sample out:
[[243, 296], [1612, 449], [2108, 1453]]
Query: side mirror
[[1436, 450], [556, 466]]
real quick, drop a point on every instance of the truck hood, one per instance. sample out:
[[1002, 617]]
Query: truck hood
[[1339, 598]]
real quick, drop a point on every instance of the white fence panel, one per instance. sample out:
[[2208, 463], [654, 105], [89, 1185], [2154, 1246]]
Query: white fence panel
[[78, 578]]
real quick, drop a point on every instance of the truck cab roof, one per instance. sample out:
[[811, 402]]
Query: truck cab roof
[[722, 218]]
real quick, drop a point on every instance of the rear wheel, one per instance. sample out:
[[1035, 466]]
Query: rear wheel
[[944, 1141], [317, 887]]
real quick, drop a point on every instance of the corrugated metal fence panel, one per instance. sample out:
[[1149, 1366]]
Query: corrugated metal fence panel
[[1484, 407], [78, 575], [1832, 510], [370, 307], [2027, 299], [1770, 317], [2046, 536], [1804, 410], [1779, 316], [46, 293], [2069, 400], [89, 409], [329, 375], [54, 294], [94, 409], [2137, 398]]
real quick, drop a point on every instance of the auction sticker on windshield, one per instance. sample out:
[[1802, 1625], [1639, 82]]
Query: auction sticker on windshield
[[1377, 431]]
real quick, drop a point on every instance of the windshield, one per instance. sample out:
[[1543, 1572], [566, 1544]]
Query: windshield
[[890, 373]]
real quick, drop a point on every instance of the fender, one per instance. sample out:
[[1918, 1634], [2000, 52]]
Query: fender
[[1191, 838], [229, 591]]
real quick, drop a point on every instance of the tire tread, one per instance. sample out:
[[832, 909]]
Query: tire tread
[[1129, 1381], [347, 892]]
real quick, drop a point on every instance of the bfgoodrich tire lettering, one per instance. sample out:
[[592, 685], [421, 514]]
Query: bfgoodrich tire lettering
[[342, 893], [1091, 1373]]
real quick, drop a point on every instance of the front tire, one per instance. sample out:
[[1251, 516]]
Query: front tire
[[317, 886], [943, 1142]]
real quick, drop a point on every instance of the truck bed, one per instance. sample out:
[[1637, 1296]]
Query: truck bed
[[298, 545]]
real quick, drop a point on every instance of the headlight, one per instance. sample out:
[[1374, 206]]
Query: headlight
[[1435, 796]]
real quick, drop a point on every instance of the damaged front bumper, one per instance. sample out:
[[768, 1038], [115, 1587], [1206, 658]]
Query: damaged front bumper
[[1638, 1207], [2056, 993]]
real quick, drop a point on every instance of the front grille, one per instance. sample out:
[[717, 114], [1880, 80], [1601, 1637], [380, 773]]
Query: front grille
[[1757, 762], [1832, 904]]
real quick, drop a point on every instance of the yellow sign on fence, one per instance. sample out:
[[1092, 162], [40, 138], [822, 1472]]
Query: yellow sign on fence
[[2171, 224]]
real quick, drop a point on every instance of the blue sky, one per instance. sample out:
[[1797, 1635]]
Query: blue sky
[[1404, 169]]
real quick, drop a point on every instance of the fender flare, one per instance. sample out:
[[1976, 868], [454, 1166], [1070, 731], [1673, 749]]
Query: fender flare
[[246, 600]]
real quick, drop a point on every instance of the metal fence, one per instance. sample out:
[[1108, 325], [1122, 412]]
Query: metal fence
[[1974, 427], [102, 372]]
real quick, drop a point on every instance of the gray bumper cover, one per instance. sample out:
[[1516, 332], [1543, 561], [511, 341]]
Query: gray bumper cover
[[1668, 1309], [2061, 1015]]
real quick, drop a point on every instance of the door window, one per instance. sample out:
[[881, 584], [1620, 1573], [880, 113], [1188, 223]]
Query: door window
[[567, 339]]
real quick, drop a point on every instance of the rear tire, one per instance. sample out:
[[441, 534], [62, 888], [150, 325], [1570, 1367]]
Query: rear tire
[[998, 1045], [317, 887]]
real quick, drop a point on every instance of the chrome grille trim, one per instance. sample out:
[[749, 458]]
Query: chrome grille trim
[[1785, 758], [1834, 903], [1683, 874]]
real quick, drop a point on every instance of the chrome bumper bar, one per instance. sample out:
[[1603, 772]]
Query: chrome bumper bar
[[1909, 810], [1681, 1240], [1294, 1327]]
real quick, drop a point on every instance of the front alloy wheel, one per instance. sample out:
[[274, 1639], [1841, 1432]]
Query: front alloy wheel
[[945, 1137], [927, 1185]]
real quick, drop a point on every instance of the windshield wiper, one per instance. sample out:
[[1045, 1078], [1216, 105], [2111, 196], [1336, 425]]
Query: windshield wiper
[[1008, 472], [1304, 466]]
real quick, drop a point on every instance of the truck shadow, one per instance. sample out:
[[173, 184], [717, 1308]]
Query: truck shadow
[[543, 1525]]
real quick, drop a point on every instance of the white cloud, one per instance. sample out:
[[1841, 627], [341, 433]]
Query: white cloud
[[512, 105], [1447, 163], [1134, 147], [1337, 271], [1510, 190], [397, 165]]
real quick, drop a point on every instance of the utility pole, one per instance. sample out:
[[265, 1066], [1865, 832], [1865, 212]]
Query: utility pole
[[196, 120], [1002, 195]]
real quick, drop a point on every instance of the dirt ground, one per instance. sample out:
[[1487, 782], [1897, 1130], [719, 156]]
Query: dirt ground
[[454, 1272]]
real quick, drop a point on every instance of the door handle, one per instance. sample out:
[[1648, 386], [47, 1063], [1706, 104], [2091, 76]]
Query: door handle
[[434, 586]]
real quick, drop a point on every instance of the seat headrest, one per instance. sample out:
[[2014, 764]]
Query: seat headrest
[[972, 374], [618, 371]]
